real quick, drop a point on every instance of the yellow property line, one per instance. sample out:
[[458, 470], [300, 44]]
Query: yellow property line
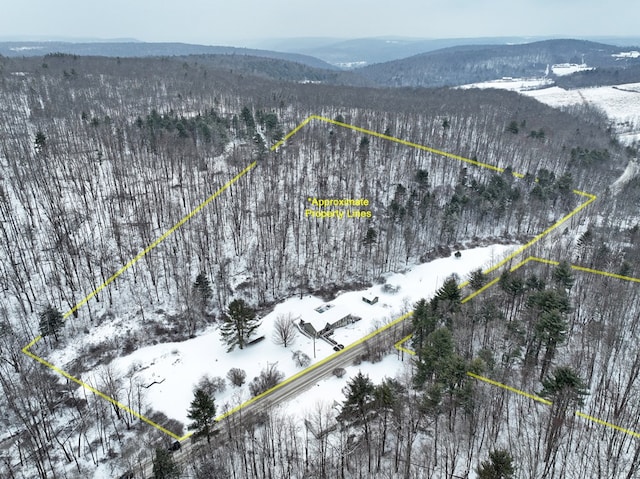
[[607, 424], [587, 270], [291, 133], [315, 366], [605, 273], [144, 252], [509, 388], [98, 393], [549, 403], [399, 344], [195, 211], [409, 143], [166, 234], [484, 288], [590, 198]]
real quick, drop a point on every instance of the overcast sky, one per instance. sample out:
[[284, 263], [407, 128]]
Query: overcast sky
[[232, 21]]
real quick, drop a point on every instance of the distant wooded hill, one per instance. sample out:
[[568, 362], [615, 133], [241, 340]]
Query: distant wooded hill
[[452, 66], [477, 63], [142, 49], [358, 52]]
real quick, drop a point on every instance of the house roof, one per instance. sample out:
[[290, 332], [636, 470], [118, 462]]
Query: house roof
[[325, 313]]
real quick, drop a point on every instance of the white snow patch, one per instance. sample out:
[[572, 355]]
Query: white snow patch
[[630, 172], [621, 103], [25, 48], [175, 368], [631, 54], [562, 69], [349, 65], [512, 84], [328, 392]]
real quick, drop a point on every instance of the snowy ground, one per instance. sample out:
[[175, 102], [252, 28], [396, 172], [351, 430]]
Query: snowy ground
[[176, 367], [631, 171], [562, 69], [621, 103], [328, 393], [512, 84], [630, 54]]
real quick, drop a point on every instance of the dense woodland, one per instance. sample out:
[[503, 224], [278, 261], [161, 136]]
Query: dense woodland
[[478, 63], [544, 329], [98, 157]]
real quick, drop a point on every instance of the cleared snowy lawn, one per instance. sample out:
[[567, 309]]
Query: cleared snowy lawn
[[175, 368], [512, 84], [562, 69], [621, 103]]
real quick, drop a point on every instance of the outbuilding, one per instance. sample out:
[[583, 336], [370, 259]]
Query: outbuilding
[[370, 299], [325, 318]]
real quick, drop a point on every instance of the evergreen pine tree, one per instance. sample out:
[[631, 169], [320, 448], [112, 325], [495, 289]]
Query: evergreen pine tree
[[50, 322], [360, 392], [447, 300], [40, 141], [566, 390], [448, 294], [563, 276], [238, 324], [436, 354], [512, 284], [549, 300], [477, 279], [361, 398], [164, 467], [370, 237], [248, 119], [499, 466], [202, 412], [425, 322], [551, 331], [202, 292]]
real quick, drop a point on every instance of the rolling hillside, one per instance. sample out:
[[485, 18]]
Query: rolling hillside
[[476, 63]]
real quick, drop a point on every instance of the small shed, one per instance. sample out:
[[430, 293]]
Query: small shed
[[370, 299]]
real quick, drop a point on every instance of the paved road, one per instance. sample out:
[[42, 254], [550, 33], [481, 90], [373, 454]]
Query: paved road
[[386, 338], [311, 376]]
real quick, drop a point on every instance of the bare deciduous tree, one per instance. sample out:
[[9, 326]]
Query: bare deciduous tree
[[285, 330]]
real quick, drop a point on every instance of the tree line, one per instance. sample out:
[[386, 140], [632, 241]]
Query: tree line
[[96, 164]]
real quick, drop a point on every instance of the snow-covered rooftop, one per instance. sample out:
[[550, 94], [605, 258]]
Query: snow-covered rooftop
[[326, 313], [167, 372]]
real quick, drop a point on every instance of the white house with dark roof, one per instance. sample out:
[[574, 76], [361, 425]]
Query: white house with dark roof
[[324, 318]]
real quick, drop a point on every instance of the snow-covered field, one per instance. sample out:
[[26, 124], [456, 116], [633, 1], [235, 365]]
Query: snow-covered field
[[168, 372], [562, 69], [621, 103], [630, 54], [512, 84]]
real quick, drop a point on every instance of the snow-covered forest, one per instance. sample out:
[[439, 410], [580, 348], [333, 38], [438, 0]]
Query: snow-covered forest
[[99, 157]]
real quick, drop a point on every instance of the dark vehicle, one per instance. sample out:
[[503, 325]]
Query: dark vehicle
[[175, 446]]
